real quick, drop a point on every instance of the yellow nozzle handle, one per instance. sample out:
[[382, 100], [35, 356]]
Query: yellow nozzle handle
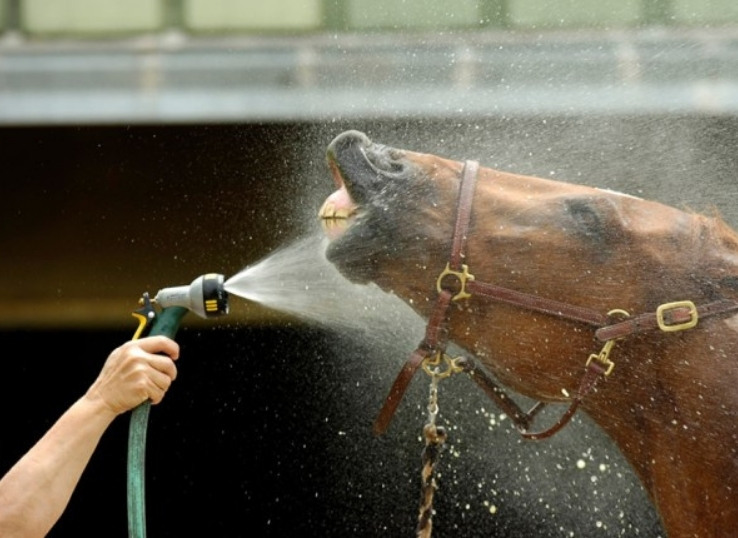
[[145, 316], [142, 322]]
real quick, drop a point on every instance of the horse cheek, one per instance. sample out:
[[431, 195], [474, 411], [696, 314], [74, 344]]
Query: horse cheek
[[524, 351]]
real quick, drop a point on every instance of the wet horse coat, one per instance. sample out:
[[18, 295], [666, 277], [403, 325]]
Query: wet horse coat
[[670, 403]]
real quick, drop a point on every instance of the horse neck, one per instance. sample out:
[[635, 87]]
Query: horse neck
[[670, 406]]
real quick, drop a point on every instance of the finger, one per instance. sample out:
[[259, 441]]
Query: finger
[[156, 395], [158, 385], [163, 364], [160, 344]]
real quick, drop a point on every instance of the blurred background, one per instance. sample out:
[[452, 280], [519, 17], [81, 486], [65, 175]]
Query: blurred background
[[147, 142]]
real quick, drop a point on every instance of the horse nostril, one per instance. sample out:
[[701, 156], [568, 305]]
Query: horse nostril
[[397, 167], [387, 160]]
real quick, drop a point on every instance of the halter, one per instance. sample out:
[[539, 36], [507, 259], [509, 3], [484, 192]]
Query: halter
[[669, 317]]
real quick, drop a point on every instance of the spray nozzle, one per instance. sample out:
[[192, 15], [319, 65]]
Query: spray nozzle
[[206, 296]]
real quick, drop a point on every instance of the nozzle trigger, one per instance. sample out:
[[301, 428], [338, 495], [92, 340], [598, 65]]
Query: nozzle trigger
[[145, 315]]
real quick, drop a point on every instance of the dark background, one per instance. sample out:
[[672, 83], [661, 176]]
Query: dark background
[[267, 430]]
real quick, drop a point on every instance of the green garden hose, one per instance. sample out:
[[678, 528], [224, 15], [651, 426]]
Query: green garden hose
[[166, 323]]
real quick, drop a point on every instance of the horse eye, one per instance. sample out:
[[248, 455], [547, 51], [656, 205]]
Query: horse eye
[[587, 219]]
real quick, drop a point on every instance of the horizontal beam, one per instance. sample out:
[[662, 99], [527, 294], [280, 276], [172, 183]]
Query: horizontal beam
[[176, 79]]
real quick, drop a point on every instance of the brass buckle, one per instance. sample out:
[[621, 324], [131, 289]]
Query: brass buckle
[[462, 275], [666, 307]]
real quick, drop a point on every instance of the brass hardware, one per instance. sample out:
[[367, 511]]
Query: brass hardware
[[463, 277], [604, 357], [666, 307], [618, 312], [430, 365]]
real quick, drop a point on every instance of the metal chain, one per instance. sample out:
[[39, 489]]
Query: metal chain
[[435, 436]]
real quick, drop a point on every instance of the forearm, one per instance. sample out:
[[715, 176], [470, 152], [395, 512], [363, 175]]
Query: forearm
[[36, 490]]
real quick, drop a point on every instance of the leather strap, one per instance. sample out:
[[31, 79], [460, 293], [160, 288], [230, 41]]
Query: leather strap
[[538, 304], [397, 391], [463, 212], [435, 333], [594, 372], [675, 316]]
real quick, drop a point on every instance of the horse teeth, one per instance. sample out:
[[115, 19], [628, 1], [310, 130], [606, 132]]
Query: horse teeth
[[329, 211], [333, 228]]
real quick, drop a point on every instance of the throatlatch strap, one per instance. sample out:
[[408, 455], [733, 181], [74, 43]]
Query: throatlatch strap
[[522, 420], [595, 371]]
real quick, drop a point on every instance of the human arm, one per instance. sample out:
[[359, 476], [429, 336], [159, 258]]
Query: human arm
[[36, 490]]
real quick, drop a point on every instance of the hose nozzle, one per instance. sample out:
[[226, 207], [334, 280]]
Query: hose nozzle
[[206, 296]]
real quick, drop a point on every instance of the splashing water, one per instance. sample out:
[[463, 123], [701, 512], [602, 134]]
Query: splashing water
[[299, 280]]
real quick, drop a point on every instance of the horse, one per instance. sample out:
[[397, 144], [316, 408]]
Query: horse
[[622, 307]]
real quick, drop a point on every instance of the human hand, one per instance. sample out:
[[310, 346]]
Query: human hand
[[137, 371]]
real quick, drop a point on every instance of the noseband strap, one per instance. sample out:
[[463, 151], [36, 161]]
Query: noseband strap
[[668, 317]]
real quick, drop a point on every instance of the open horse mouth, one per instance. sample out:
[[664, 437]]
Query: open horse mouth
[[360, 169], [339, 209]]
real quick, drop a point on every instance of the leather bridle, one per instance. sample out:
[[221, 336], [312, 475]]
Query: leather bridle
[[615, 325]]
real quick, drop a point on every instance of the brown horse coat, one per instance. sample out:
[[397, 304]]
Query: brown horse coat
[[671, 401]]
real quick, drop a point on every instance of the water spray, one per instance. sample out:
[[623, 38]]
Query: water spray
[[205, 296]]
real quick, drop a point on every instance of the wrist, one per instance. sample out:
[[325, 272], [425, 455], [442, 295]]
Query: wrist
[[96, 405]]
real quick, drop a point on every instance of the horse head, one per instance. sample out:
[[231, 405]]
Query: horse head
[[392, 219]]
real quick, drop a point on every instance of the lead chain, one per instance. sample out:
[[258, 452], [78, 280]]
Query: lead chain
[[435, 437]]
